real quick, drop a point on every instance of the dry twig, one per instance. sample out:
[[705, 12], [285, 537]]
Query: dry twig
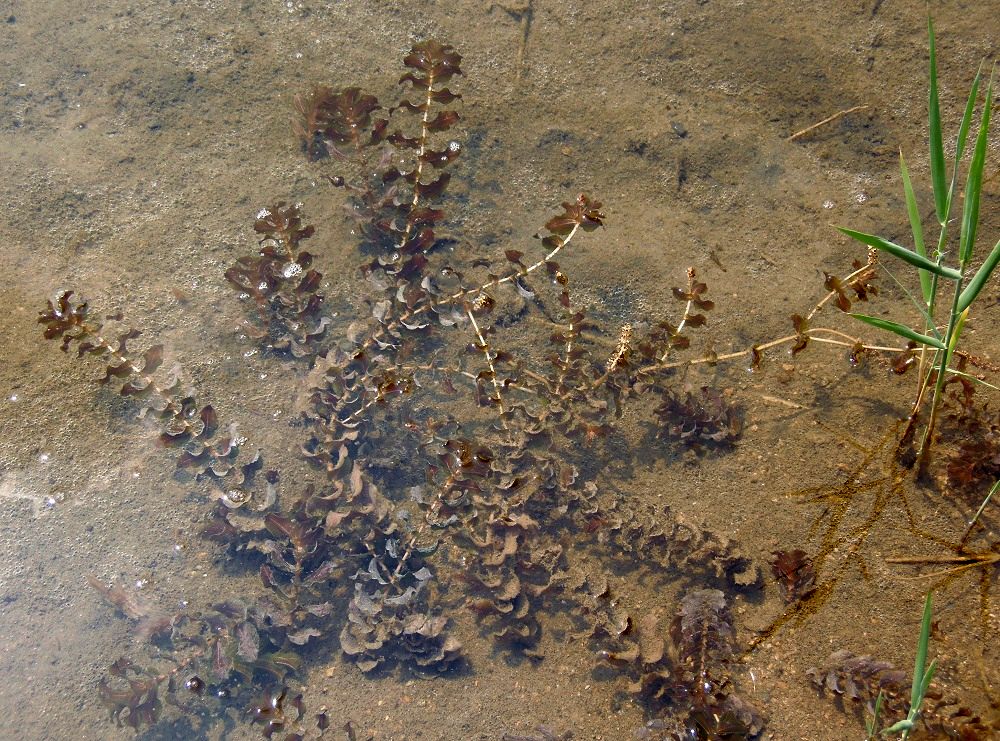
[[828, 119]]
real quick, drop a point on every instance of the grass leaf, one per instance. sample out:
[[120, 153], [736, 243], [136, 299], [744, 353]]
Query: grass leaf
[[922, 676], [926, 284], [872, 724], [899, 726], [972, 379], [938, 175], [901, 330], [956, 330], [982, 506], [982, 275], [963, 129], [902, 253], [974, 184], [923, 309]]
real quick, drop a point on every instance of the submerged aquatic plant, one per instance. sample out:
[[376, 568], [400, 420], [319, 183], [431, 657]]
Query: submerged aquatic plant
[[794, 573], [889, 695], [687, 684], [427, 503]]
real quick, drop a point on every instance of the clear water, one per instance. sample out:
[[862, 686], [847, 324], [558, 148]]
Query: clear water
[[139, 141]]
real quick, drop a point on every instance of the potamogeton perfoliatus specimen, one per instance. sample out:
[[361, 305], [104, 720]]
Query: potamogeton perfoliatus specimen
[[185, 425], [686, 683], [398, 171], [858, 681], [354, 557], [698, 418], [793, 571], [672, 541], [200, 660], [282, 284]]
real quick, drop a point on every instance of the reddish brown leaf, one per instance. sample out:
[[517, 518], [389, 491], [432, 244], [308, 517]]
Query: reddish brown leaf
[[435, 60], [441, 157], [434, 188], [443, 121]]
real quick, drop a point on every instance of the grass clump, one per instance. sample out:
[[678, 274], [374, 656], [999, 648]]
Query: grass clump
[[936, 267]]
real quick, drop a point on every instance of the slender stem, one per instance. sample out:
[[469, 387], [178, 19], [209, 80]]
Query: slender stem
[[680, 328], [567, 357], [923, 454], [449, 300], [931, 307], [847, 342], [484, 347], [982, 507], [424, 133]]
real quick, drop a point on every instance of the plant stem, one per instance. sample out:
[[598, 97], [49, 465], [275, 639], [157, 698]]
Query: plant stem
[[950, 337]]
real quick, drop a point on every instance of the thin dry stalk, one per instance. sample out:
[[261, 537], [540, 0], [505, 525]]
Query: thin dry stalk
[[829, 119]]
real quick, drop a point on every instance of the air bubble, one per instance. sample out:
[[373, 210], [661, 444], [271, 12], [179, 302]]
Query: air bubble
[[235, 498]]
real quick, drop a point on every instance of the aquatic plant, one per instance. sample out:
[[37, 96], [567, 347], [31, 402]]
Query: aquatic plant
[[888, 695], [435, 504], [793, 571], [688, 690], [960, 419], [364, 559], [923, 673]]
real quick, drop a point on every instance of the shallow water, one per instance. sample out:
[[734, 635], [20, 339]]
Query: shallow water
[[139, 141]]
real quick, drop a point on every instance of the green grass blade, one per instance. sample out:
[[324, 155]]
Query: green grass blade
[[974, 184], [872, 724], [918, 261], [928, 677], [926, 284], [901, 330], [921, 308], [982, 275], [972, 378], [982, 506], [921, 675], [963, 129], [899, 726], [957, 326], [938, 175]]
